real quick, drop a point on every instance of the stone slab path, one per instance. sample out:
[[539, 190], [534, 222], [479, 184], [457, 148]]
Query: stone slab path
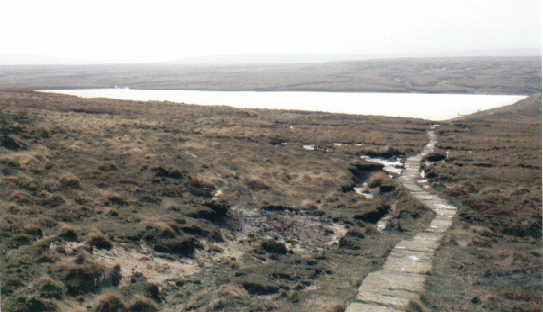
[[403, 275]]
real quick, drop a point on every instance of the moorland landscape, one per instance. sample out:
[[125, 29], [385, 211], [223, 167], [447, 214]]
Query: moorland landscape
[[461, 75], [110, 205]]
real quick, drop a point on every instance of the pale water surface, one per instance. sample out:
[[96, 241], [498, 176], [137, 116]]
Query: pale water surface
[[428, 106]]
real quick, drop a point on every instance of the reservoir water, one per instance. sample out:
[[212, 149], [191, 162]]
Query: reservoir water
[[427, 106]]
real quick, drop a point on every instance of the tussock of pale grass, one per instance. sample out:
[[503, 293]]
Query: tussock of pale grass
[[109, 302], [377, 179], [23, 180], [309, 204], [47, 287], [69, 180], [141, 303], [21, 197], [33, 229], [162, 228], [69, 232], [207, 180], [99, 240], [333, 197], [170, 205], [256, 183], [111, 198]]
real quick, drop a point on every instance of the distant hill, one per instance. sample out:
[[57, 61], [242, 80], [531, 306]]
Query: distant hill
[[300, 58], [263, 58], [458, 75], [527, 110]]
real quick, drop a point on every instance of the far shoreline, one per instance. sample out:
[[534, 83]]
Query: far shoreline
[[393, 104]]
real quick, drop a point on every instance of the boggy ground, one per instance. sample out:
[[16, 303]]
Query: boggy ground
[[139, 206], [491, 170]]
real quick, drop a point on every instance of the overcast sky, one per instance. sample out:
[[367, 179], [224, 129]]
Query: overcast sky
[[156, 31]]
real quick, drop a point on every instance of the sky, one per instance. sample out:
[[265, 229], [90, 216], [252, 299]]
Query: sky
[[159, 31]]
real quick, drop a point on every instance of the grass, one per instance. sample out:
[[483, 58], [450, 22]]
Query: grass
[[131, 205]]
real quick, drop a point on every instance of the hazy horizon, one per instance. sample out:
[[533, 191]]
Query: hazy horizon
[[263, 58], [61, 31]]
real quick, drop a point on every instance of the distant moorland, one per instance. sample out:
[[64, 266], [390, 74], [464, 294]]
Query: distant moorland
[[482, 75]]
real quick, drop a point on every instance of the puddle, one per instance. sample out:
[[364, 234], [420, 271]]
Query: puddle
[[394, 167], [360, 191], [217, 193], [191, 154], [313, 147], [382, 224]]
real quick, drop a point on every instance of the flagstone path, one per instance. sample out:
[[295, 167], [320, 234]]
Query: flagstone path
[[402, 277]]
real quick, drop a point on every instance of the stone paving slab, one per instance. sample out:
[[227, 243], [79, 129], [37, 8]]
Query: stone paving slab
[[421, 192], [445, 213], [395, 301], [392, 280], [433, 237], [408, 264], [403, 275], [418, 245], [366, 307], [439, 225], [424, 196], [412, 187], [412, 254]]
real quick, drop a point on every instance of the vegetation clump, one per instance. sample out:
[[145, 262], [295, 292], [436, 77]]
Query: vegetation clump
[[272, 246]]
